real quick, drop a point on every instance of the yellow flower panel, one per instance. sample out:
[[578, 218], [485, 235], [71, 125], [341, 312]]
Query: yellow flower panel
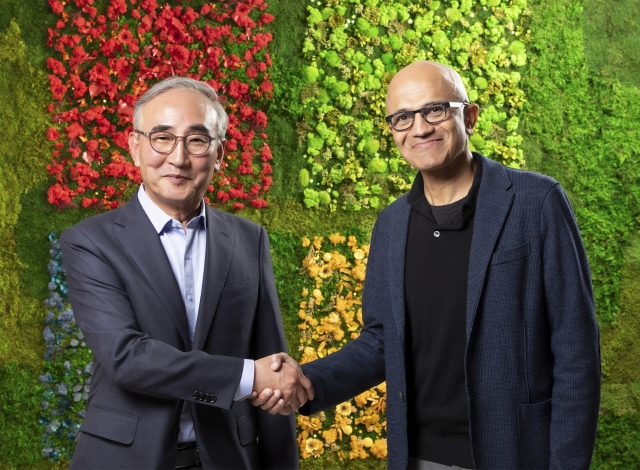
[[330, 313]]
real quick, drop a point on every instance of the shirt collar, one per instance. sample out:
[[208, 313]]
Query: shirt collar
[[419, 202], [159, 218]]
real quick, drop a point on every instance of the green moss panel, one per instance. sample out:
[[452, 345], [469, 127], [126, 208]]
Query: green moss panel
[[23, 157]]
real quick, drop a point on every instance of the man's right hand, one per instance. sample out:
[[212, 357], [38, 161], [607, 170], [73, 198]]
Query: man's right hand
[[279, 385]]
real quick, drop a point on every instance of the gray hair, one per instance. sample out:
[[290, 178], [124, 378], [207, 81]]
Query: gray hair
[[216, 119]]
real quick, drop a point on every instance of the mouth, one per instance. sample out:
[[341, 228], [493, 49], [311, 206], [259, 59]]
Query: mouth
[[176, 178], [427, 143]]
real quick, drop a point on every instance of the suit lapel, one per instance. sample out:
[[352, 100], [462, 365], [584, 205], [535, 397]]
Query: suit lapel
[[220, 243], [492, 208], [141, 242], [397, 248]]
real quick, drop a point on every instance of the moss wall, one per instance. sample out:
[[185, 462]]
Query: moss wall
[[23, 156]]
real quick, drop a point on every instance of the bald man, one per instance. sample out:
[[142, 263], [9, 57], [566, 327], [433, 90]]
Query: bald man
[[477, 306]]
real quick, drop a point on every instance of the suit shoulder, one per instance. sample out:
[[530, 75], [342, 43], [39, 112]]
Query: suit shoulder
[[235, 220], [534, 190], [94, 223], [394, 213], [399, 205], [530, 180]]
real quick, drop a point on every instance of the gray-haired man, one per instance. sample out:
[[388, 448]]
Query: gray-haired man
[[176, 300]]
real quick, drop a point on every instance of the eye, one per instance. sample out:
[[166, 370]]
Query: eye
[[161, 137], [435, 110], [199, 139], [402, 118]]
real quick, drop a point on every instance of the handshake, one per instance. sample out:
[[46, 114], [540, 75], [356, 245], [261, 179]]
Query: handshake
[[279, 386]]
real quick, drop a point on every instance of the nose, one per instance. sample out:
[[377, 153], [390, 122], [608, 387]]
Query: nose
[[179, 155], [420, 126]]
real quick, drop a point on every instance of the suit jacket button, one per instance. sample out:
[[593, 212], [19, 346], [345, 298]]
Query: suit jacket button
[[401, 397], [207, 397], [213, 399], [196, 395]]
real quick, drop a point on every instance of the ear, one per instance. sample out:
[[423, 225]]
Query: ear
[[470, 117], [219, 153], [134, 147]]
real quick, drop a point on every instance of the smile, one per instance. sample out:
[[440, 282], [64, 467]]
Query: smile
[[176, 178], [427, 143]]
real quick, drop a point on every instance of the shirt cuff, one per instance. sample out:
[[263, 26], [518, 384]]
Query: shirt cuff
[[245, 388]]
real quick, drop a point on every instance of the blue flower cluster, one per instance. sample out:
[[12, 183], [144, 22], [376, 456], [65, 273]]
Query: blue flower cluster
[[68, 366]]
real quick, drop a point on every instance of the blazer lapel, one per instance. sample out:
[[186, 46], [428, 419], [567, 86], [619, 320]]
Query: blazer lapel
[[220, 244], [492, 208], [397, 248], [141, 242]]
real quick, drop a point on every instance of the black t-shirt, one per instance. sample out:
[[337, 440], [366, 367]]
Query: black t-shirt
[[436, 272]]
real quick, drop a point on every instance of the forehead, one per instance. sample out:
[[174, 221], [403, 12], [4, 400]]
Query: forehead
[[176, 107], [414, 89]]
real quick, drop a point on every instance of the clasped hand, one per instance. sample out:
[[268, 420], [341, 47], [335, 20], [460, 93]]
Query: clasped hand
[[279, 386]]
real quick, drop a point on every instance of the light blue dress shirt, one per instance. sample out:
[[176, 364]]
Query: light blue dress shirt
[[186, 253]]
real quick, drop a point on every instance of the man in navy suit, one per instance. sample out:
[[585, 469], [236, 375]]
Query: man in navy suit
[[477, 305], [178, 304]]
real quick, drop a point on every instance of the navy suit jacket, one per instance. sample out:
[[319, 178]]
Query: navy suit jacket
[[532, 360], [128, 305]]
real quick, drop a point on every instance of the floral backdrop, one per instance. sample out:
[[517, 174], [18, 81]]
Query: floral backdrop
[[354, 49], [103, 60], [330, 316], [104, 55], [308, 155]]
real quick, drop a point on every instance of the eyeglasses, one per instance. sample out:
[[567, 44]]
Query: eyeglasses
[[165, 142], [433, 114]]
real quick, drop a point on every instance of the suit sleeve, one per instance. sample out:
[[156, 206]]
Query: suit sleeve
[[574, 335], [359, 365], [277, 443], [130, 358]]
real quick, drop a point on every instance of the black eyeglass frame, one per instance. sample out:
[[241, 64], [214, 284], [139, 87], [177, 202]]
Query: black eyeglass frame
[[175, 142], [422, 111]]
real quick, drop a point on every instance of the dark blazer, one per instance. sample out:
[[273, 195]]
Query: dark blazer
[[128, 305], [532, 362]]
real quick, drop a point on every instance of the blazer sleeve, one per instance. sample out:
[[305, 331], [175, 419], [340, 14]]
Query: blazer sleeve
[[130, 358], [574, 335], [358, 365], [277, 443]]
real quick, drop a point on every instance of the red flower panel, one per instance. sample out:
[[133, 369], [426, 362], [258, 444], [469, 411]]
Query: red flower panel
[[104, 58]]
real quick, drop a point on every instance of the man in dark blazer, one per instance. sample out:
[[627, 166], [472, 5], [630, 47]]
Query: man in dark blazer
[[176, 301], [477, 307]]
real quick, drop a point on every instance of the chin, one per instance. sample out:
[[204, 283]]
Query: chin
[[429, 166]]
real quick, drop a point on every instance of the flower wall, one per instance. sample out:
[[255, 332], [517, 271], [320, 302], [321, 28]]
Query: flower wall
[[579, 125], [330, 316], [354, 49], [109, 53]]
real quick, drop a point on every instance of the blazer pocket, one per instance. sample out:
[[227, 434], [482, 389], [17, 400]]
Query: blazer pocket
[[502, 257], [247, 428], [236, 289], [534, 422], [110, 424]]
